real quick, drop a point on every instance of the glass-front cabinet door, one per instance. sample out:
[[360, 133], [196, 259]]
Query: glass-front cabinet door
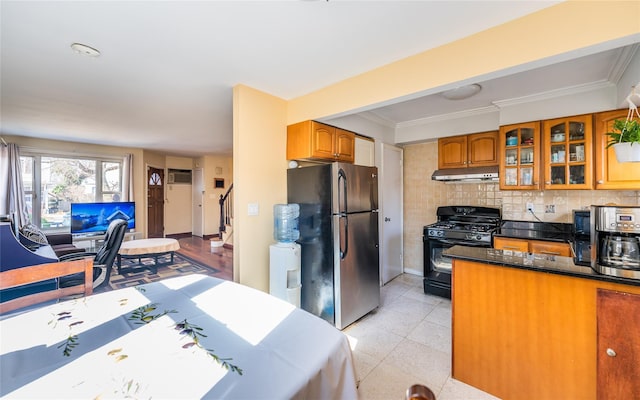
[[520, 146], [567, 152]]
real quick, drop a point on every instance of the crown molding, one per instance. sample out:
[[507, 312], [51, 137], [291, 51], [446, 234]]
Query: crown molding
[[622, 62], [552, 94], [450, 116], [373, 117]]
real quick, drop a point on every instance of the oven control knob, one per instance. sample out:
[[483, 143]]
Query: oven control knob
[[441, 233]]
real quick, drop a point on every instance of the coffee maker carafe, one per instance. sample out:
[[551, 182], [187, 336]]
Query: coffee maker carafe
[[615, 240], [618, 250]]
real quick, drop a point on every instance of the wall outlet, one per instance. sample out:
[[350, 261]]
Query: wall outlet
[[530, 207], [550, 209]]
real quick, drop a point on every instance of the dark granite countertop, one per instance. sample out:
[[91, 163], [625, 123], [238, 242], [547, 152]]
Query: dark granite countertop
[[533, 262], [548, 231]]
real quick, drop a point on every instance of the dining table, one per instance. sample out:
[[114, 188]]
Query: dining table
[[188, 337]]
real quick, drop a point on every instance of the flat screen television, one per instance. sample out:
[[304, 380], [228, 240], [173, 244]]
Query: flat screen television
[[94, 218]]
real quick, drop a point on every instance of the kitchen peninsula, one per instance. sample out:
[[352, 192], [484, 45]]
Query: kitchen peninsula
[[529, 326]]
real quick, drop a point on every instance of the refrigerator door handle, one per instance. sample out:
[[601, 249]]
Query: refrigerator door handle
[[343, 252], [342, 176]]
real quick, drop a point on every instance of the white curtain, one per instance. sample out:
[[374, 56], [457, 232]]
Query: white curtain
[[127, 178], [12, 201]]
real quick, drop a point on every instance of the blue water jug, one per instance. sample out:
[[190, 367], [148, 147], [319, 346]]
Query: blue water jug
[[285, 222]]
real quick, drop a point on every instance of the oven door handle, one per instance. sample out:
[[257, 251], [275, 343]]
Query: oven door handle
[[461, 243]]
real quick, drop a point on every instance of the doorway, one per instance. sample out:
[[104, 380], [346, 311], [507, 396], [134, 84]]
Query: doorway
[[391, 227], [155, 202]]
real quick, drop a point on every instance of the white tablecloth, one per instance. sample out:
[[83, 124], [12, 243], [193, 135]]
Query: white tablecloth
[[283, 352]]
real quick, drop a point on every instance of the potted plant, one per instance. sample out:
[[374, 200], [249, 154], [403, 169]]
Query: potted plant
[[625, 140]]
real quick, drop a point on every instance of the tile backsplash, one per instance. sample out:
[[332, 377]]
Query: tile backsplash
[[422, 197]]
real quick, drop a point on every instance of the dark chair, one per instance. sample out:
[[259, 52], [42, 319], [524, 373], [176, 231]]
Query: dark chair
[[102, 259]]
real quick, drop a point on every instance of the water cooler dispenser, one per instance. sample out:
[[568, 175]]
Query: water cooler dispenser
[[284, 256]]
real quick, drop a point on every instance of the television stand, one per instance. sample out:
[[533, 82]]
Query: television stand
[[96, 240]]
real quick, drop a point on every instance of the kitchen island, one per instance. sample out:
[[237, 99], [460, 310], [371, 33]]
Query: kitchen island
[[529, 326]]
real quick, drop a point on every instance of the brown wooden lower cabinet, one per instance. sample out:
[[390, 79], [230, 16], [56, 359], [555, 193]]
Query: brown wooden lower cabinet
[[532, 246], [618, 345], [520, 334]]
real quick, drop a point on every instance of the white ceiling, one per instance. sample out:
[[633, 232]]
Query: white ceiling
[[165, 76]]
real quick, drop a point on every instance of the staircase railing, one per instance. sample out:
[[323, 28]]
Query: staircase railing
[[226, 210]]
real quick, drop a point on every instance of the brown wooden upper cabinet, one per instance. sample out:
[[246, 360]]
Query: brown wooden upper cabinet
[[311, 140], [568, 154], [474, 150], [609, 173], [520, 155]]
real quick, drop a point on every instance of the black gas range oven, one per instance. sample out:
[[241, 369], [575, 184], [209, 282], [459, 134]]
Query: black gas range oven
[[457, 225]]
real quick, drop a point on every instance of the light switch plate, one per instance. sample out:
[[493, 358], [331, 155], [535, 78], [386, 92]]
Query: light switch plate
[[253, 209]]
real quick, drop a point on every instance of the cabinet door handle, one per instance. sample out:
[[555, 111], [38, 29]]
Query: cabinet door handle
[[611, 353], [600, 181], [511, 248], [550, 253], [548, 182]]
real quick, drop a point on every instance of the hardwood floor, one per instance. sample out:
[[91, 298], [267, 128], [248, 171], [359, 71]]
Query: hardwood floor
[[200, 250]]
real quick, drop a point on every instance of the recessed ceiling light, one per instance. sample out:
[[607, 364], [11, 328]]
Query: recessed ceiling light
[[86, 50], [462, 92]]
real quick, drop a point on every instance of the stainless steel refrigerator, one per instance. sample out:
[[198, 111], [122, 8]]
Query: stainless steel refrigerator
[[338, 226]]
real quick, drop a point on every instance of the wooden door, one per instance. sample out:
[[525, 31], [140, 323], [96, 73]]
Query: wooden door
[[482, 149], [610, 174], [452, 152], [618, 346], [155, 203]]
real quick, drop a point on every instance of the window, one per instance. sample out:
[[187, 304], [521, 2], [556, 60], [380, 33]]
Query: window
[[53, 182]]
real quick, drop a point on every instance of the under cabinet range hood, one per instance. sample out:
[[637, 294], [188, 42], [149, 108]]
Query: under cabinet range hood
[[473, 174]]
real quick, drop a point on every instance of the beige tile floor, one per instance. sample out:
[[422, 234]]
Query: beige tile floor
[[407, 340]]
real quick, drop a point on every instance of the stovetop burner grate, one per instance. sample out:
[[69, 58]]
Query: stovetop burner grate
[[472, 224]]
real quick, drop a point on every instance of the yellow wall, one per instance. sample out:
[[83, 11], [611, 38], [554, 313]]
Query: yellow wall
[[260, 119], [259, 169], [550, 32]]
